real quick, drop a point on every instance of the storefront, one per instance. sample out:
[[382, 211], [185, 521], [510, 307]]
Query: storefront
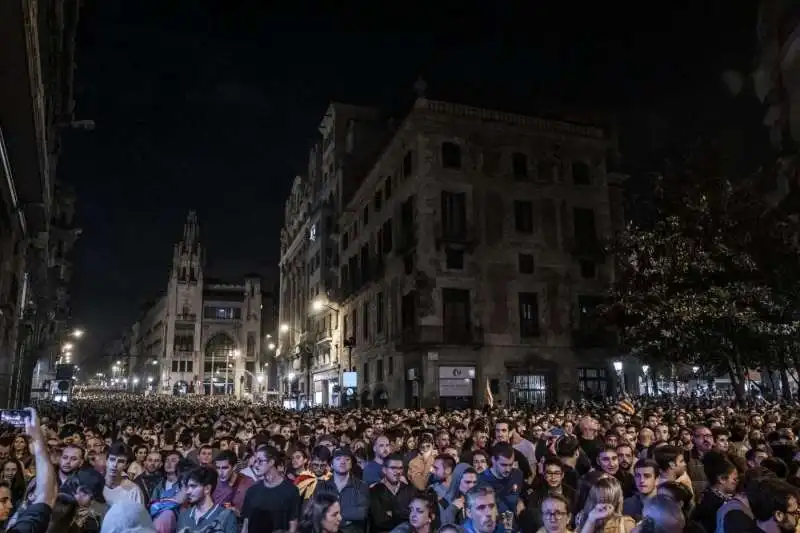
[[456, 387], [325, 390]]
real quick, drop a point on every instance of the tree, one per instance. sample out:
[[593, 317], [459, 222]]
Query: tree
[[696, 287]]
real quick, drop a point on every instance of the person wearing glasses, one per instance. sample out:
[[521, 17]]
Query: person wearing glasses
[[553, 483], [555, 514], [390, 497]]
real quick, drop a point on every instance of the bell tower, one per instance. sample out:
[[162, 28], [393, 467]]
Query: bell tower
[[187, 265]]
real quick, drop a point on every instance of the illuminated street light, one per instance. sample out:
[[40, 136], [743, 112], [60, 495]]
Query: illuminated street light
[[284, 328], [78, 333], [645, 368], [269, 336], [291, 376], [135, 381], [271, 346], [260, 378], [154, 362], [149, 379], [317, 305], [119, 363], [695, 369], [67, 346], [618, 366]]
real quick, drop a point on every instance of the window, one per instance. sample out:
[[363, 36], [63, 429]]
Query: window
[[408, 263], [454, 214], [378, 201], [366, 372], [386, 236], [390, 366], [519, 165], [585, 232], [408, 311], [379, 311], [580, 173], [183, 342], [454, 259], [346, 327], [528, 314], [451, 155], [523, 216], [387, 188], [190, 366], [588, 269], [251, 344], [175, 366], [593, 382], [354, 321], [408, 164], [365, 270], [526, 265], [531, 390], [587, 309], [365, 320], [365, 215], [456, 316], [345, 241], [379, 370], [222, 313]]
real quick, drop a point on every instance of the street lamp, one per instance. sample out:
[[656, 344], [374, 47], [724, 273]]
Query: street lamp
[[67, 346], [645, 369], [620, 377], [135, 380], [149, 379], [284, 328], [271, 346], [695, 369], [77, 333]]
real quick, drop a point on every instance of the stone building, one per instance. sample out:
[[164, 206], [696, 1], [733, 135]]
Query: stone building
[[309, 340], [204, 335], [37, 41], [470, 256]]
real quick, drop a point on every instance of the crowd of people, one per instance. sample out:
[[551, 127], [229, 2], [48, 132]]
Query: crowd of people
[[119, 464]]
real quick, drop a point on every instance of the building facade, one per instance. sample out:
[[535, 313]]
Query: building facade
[[470, 260], [37, 40], [309, 340], [203, 335]]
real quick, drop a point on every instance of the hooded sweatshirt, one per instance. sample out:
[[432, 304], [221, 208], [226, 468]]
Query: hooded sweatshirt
[[449, 513]]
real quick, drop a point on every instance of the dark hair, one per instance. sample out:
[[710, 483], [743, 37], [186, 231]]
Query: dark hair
[[226, 455], [447, 461], [566, 446], [665, 455], [553, 461], [316, 510], [771, 495], [716, 466], [118, 449], [203, 475], [392, 457], [502, 449], [646, 463]]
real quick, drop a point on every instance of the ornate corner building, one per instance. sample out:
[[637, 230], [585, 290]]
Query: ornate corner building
[[37, 231], [202, 336], [460, 250]]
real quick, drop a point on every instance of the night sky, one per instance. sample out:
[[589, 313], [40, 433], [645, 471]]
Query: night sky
[[212, 106]]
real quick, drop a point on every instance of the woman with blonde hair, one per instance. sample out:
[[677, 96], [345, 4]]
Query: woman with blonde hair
[[602, 512]]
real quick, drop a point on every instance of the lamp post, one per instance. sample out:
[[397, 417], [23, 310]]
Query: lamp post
[[620, 377]]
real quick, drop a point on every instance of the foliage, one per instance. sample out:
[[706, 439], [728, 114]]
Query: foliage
[[713, 281]]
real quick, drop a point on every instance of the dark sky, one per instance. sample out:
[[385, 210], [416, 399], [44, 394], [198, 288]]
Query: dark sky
[[212, 105]]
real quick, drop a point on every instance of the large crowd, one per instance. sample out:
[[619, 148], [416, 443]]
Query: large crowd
[[130, 464]]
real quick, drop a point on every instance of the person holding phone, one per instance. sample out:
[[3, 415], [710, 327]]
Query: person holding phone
[[36, 517]]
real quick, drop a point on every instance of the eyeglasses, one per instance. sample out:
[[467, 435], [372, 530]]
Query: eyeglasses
[[553, 473], [555, 514]]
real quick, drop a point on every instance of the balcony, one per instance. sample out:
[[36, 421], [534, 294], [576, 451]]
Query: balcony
[[423, 337], [585, 338]]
